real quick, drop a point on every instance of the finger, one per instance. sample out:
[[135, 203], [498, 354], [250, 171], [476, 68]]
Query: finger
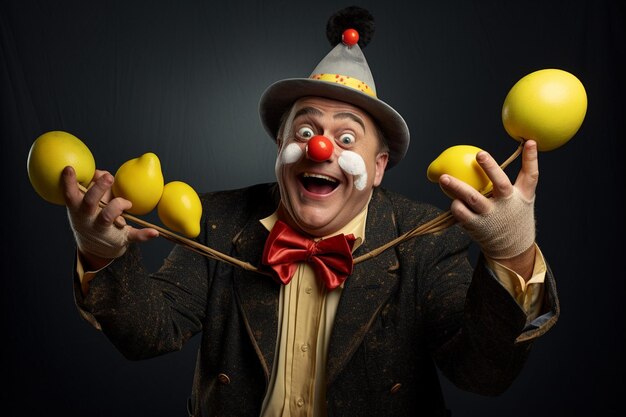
[[112, 211], [101, 185], [461, 212], [464, 192], [108, 195], [528, 176], [73, 196], [502, 186], [142, 235], [120, 222]]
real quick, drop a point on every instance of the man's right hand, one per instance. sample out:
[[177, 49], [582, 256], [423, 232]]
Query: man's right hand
[[101, 233]]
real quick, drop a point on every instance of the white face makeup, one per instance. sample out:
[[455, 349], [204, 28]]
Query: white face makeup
[[353, 164], [321, 197], [292, 153]]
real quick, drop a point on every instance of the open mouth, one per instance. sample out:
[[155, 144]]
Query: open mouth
[[318, 183]]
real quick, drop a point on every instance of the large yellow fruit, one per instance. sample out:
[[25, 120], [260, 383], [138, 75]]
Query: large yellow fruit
[[547, 106], [460, 162], [180, 208], [49, 154], [140, 180]]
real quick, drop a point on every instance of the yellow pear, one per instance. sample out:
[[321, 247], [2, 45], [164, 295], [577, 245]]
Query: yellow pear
[[49, 154], [547, 106], [180, 208], [460, 162], [140, 180]]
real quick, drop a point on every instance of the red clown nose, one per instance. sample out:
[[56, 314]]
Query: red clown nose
[[319, 148]]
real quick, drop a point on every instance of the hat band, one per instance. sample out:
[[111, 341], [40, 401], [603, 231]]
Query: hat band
[[345, 80]]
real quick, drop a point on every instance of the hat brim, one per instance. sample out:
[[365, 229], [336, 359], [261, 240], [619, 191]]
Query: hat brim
[[280, 96]]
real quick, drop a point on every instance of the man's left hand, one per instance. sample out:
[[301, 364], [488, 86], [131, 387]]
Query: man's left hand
[[503, 225]]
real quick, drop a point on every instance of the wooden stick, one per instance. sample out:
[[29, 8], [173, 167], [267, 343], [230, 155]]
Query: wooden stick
[[437, 224], [190, 244]]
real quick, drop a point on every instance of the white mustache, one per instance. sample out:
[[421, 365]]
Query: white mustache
[[350, 162]]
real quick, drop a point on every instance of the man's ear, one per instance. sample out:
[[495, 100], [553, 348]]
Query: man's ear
[[381, 164]]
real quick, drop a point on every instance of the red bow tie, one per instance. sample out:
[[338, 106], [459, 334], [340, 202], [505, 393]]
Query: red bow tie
[[331, 259]]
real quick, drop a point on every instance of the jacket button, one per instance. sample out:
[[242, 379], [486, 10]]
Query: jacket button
[[396, 387], [224, 379]]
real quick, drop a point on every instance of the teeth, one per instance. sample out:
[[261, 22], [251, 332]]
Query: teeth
[[322, 177]]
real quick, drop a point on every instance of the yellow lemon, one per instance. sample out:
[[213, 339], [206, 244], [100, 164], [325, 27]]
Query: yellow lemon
[[460, 162], [180, 208], [547, 106], [49, 154], [140, 180]]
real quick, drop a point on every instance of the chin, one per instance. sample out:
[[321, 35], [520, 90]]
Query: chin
[[314, 221]]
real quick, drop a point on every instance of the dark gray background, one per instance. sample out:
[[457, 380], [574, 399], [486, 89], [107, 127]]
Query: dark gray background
[[182, 79]]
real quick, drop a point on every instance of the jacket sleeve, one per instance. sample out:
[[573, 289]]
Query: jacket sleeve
[[477, 332], [144, 314]]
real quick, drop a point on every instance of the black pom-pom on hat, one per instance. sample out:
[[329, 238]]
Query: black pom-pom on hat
[[352, 17]]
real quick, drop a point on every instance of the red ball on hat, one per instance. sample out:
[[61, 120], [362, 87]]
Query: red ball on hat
[[350, 37]]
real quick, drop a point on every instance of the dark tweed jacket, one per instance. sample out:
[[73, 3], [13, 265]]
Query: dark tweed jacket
[[401, 314]]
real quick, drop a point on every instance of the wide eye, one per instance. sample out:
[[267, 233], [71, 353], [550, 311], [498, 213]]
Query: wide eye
[[346, 139], [305, 132]]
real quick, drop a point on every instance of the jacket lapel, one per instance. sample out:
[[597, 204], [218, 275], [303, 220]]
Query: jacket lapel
[[367, 289], [256, 293]]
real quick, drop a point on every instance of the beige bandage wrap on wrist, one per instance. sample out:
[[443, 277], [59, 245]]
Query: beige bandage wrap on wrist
[[507, 230], [103, 241]]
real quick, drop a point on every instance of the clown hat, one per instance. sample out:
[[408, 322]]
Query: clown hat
[[342, 75]]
